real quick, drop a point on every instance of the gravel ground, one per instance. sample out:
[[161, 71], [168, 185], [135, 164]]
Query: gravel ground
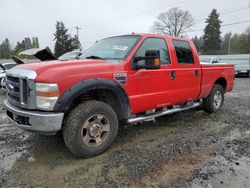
[[188, 149]]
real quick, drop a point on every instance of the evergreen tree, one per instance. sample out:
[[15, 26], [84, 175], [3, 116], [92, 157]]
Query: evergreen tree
[[240, 43], [35, 43], [212, 34], [64, 42], [19, 47], [5, 49], [76, 42], [27, 43]]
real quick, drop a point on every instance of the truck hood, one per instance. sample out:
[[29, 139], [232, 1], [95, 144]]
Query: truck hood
[[58, 71]]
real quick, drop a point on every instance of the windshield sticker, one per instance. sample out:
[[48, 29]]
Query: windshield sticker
[[123, 48]]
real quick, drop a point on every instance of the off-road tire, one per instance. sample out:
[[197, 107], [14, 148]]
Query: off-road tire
[[209, 104], [74, 123]]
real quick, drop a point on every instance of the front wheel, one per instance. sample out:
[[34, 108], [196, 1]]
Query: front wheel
[[214, 101], [90, 128]]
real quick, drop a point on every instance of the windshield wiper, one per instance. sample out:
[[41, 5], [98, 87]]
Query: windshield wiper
[[94, 57]]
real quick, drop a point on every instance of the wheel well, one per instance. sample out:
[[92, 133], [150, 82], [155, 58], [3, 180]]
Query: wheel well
[[104, 95], [222, 82]]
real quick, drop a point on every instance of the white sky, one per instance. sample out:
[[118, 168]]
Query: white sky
[[103, 18]]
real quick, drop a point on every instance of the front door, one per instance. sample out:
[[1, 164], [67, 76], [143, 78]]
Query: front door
[[149, 89]]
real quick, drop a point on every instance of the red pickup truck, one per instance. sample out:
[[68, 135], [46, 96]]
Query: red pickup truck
[[131, 78]]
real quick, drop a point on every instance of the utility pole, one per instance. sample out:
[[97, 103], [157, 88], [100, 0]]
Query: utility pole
[[229, 45], [77, 31]]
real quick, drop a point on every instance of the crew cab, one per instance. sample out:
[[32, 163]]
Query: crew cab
[[129, 78]]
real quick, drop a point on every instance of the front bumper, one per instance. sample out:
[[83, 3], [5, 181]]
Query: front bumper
[[36, 121]]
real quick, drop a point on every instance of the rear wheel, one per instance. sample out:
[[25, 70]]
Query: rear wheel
[[90, 128], [214, 101]]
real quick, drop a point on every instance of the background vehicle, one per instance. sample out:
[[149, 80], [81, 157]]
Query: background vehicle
[[209, 60], [46, 54], [242, 69], [41, 54], [3, 67], [129, 78], [75, 54]]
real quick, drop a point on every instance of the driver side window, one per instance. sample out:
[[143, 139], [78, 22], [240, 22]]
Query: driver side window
[[154, 44]]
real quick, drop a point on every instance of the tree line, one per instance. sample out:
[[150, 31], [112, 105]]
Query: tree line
[[177, 22], [64, 42], [6, 51], [212, 43]]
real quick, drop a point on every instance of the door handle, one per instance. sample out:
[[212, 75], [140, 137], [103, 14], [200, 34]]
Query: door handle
[[173, 75], [196, 73]]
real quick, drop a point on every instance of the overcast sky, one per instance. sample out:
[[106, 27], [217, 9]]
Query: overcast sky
[[103, 18]]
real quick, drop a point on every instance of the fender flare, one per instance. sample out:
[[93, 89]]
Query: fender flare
[[67, 98]]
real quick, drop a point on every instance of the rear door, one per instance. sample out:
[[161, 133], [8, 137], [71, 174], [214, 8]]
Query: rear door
[[187, 72]]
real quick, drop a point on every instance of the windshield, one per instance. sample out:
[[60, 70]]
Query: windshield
[[205, 59], [116, 48], [70, 55]]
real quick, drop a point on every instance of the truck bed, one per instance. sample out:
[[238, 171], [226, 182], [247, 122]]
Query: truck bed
[[210, 75]]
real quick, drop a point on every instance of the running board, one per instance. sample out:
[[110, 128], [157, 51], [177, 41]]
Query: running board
[[162, 113]]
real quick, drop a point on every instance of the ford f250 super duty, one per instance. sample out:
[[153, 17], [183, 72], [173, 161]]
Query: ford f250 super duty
[[129, 78]]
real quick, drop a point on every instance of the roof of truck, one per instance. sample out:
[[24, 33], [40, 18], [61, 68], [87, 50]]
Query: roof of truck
[[147, 35]]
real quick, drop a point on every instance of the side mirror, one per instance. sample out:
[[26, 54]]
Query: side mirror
[[152, 60]]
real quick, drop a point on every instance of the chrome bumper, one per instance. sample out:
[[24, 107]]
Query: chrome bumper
[[35, 121]]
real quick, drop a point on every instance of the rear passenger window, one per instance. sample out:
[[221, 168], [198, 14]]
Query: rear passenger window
[[183, 52]]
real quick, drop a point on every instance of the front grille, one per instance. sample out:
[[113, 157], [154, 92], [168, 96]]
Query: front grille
[[13, 88], [20, 91]]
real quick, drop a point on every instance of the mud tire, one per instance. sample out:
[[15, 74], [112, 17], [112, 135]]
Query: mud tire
[[72, 129]]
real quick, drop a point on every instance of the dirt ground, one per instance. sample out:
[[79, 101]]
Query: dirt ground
[[188, 149]]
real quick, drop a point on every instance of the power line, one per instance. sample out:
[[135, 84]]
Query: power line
[[225, 25], [136, 15], [203, 18], [147, 12], [225, 13]]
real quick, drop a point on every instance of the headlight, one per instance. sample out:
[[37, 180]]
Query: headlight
[[46, 95]]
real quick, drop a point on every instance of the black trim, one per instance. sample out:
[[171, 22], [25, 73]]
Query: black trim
[[65, 101]]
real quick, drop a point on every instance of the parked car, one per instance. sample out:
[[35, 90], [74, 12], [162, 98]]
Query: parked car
[[242, 69], [3, 67], [129, 78], [209, 60], [75, 54], [42, 54]]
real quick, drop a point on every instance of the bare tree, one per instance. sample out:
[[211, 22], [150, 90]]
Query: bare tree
[[173, 22]]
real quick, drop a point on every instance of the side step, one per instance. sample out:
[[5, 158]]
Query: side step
[[162, 113]]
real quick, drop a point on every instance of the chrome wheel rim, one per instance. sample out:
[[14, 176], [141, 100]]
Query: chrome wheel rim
[[217, 99], [95, 130]]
